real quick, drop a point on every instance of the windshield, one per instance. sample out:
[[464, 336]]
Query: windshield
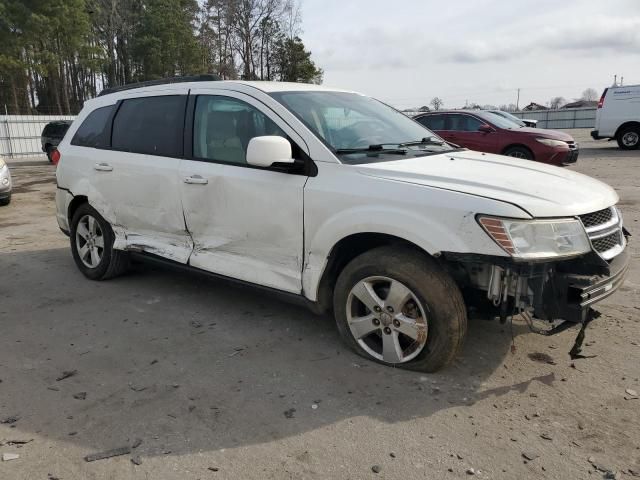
[[508, 116], [350, 121], [498, 121]]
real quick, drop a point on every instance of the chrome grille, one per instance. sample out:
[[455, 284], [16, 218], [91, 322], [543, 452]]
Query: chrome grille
[[604, 229], [596, 218]]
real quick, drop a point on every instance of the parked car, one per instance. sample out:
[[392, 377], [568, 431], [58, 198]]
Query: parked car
[[618, 116], [52, 134], [522, 122], [338, 201], [5, 184], [487, 132]]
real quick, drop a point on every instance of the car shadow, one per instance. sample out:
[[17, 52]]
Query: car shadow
[[187, 363]]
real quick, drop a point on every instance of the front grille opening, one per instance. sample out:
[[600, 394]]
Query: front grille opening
[[597, 218], [607, 243]]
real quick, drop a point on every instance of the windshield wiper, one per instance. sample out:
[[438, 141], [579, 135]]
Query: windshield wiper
[[424, 141], [374, 149]]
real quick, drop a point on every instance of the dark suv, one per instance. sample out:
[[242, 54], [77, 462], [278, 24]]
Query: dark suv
[[53, 134]]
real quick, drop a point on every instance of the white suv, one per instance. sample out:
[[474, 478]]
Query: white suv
[[340, 201], [618, 116]]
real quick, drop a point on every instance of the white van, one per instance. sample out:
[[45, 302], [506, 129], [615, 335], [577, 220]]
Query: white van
[[336, 200], [618, 116]]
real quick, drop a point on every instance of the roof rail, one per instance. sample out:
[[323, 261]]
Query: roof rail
[[162, 81]]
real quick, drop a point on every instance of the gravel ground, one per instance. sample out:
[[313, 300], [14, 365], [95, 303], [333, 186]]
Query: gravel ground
[[218, 381]]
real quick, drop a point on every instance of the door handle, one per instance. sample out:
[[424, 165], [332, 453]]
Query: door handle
[[103, 167], [196, 180]]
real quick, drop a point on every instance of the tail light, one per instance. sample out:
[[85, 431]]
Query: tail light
[[55, 156], [601, 102]]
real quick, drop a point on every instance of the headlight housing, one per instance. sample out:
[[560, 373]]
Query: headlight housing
[[537, 239], [549, 142]]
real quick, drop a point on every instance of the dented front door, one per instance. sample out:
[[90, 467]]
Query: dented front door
[[245, 222]]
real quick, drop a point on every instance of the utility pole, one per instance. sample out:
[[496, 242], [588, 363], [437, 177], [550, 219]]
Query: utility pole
[[518, 101]]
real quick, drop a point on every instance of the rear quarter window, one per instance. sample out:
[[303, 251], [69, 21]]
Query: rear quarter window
[[94, 132], [150, 125]]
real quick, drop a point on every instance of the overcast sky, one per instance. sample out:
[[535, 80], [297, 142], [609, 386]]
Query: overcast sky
[[407, 51]]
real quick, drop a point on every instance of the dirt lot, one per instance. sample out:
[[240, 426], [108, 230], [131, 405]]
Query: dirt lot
[[222, 382]]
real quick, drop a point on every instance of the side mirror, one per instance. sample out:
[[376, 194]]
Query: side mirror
[[485, 128], [265, 151]]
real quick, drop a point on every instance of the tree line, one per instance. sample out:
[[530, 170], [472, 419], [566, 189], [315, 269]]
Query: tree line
[[55, 54]]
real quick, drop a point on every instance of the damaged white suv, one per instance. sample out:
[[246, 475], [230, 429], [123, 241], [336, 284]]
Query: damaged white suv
[[340, 201]]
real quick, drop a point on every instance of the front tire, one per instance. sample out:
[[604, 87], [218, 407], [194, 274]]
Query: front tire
[[92, 245], [398, 307], [629, 138], [519, 152], [5, 201]]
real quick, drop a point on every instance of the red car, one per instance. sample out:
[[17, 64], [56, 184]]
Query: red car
[[487, 132]]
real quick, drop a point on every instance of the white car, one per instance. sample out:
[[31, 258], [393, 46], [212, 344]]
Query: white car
[[335, 199], [5, 184], [618, 116]]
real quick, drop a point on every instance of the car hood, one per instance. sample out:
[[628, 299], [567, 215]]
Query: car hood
[[544, 133], [539, 189]]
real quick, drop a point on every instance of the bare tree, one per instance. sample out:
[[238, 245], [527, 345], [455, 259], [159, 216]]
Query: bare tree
[[557, 102], [589, 95], [436, 103]]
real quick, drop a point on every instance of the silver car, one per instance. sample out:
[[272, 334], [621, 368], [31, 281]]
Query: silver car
[[5, 183]]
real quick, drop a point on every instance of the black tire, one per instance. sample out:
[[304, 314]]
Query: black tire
[[5, 201], [444, 306], [49, 149], [519, 152], [629, 138], [112, 262]]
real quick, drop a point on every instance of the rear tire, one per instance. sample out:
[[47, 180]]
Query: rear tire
[[519, 152], [92, 245], [426, 329], [629, 138]]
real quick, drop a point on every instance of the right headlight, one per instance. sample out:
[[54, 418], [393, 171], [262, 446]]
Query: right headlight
[[537, 239], [549, 142]]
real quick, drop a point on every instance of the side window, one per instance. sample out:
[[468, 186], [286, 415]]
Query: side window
[[472, 123], [224, 126], [433, 122], [93, 131], [464, 123], [151, 125]]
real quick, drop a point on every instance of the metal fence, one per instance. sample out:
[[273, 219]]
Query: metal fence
[[562, 118], [20, 134]]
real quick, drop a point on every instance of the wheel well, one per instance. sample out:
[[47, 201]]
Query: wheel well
[[518, 145], [625, 125], [346, 250], [73, 206]]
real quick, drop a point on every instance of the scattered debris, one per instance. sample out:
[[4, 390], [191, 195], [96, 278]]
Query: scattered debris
[[55, 389], [136, 443], [376, 468], [7, 457], [314, 406], [631, 392], [213, 469], [18, 442], [72, 434], [392, 455], [460, 457], [546, 436], [191, 408], [471, 471], [80, 396], [66, 374], [195, 324], [10, 420], [541, 357], [236, 351], [290, 413], [116, 452], [574, 353], [530, 456], [153, 362], [137, 388], [51, 476], [136, 460]]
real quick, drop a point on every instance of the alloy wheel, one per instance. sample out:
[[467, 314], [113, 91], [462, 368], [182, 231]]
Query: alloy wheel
[[89, 241], [386, 319], [630, 139]]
